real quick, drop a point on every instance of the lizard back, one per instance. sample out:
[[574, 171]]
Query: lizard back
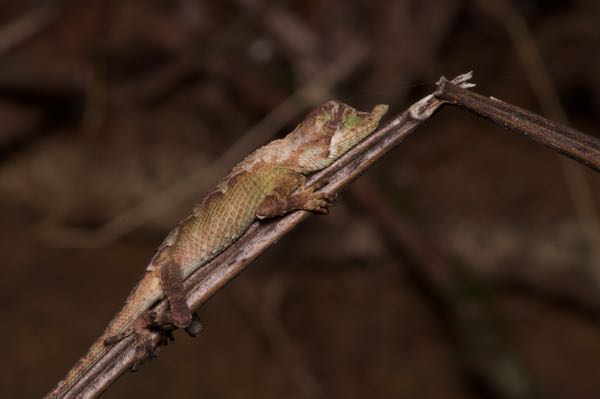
[[224, 215]]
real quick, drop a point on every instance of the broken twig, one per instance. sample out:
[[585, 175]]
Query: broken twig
[[563, 139]]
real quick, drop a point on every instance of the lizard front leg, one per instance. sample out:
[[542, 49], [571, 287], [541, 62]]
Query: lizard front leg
[[279, 202]]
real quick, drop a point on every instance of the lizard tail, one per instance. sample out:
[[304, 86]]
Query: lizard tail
[[64, 389], [137, 302]]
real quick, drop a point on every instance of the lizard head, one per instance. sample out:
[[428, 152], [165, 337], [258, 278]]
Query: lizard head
[[328, 132]]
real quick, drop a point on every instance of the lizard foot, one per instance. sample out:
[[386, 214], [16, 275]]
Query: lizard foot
[[151, 323], [306, 199], [312, 201], [145, 346], [144, 350], [164, 323], [144, 329]]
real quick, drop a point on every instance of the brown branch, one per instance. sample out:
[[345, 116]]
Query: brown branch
[[539, 78], [563, 139], [206, 281]]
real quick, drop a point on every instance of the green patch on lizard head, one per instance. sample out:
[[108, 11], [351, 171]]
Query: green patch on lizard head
[[329, 131], [350, 118], [335, 115], [353, 127]]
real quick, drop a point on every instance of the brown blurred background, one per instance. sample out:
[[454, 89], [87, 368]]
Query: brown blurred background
[[465, 265]]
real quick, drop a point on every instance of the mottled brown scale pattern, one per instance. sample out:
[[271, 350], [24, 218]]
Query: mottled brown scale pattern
[[272, 172], [225, 214]]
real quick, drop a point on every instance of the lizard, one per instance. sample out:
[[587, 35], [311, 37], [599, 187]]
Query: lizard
[[268, 183]]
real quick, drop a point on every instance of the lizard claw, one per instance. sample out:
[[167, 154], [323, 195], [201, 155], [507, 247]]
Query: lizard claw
[[306, 198], [144, 352], [319, 202], [165, 337], [152, 319], [145, 347], [149, 324], [144, 329], [141, 355]]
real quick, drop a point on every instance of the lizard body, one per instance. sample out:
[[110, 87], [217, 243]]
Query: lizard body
[[267, 183]]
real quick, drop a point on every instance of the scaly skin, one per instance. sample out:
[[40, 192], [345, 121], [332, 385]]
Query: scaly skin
[[267, 183]]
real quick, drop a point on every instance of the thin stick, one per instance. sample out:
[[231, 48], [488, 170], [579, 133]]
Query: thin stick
[[17, 32], [547, 97], [206, 281], [563, 139]]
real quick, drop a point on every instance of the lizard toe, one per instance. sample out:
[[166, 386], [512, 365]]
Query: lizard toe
[[318, 205], [166, 336], [195, 327], [145, 347], [181, 319]]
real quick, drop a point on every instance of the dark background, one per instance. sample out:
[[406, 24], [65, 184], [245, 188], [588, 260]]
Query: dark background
[[106, 106]]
